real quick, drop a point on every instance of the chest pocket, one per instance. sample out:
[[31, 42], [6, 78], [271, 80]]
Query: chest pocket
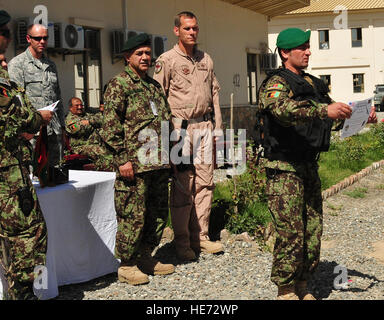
[[183, 76], [203, 71], [33, 83], [139, 112]]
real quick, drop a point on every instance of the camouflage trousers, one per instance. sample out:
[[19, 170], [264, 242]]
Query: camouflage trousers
[[24, 237], [295, 203], [142, 213]]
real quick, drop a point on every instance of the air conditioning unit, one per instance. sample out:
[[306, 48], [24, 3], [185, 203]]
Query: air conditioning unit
[[159, 44], [70, 36], [132, 33], [22, 25], [268, 61], [119, 37]]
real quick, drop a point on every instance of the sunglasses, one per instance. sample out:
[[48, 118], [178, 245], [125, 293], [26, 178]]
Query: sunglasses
[[39, 38], [6, 33]]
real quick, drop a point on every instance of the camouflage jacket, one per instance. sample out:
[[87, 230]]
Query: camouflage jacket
[[79, 133], [40, 80], [275, 97], [16, 116], [130, 107]]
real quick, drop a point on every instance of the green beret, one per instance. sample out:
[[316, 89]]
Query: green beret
[[136, 41], [292, 37], [4, 17]]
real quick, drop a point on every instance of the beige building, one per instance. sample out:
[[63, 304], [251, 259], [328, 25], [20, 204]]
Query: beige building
[[85, 37], [347, 43]]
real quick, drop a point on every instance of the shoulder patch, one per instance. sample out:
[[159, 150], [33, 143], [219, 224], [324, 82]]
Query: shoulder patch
[[273, 94], [74, 127], [276, 86], [158, 66]]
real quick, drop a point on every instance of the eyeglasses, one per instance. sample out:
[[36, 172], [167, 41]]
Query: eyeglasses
[[38, 39], [6, 33]]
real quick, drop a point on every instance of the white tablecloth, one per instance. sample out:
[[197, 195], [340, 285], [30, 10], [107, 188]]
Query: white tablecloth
[[82, 225]]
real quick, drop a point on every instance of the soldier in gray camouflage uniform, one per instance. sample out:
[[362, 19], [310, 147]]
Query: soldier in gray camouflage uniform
[[34, 72], [23, 234], [296, 120], [134, 102]]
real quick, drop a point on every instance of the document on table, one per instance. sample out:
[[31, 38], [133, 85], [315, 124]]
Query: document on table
[[51, 107], [359, 118]]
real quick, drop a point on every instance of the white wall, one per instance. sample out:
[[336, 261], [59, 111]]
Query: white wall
[[225, 33]]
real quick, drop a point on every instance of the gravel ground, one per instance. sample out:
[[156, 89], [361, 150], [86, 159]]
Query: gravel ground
[[353, 240]]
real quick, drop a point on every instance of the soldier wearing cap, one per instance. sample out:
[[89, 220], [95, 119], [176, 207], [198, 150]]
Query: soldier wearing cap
[[296, 116], [188, 79], [23, 233], [134, 109]]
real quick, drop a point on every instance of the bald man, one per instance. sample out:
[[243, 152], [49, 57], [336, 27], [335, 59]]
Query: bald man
[[34, 72]]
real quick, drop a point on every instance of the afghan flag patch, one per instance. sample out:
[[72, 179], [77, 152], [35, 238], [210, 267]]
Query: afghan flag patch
[[75, 127], [277, 86], [5, 92], [273, 94]]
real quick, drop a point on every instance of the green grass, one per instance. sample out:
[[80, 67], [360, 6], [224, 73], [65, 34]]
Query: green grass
[[241, 202], [351, 155], [357, 193]]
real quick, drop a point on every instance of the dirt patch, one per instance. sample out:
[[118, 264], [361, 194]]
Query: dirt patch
[[328, 244], [378, 252]]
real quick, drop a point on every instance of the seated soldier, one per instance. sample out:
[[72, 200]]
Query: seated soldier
[[80, 126]]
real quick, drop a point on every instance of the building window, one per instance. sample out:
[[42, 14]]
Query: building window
[[327, 80], [357, 38], [323, 39], [252, 78], [358, 83]]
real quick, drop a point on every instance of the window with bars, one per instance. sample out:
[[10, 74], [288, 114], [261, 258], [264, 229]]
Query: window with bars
[[327, 80], [323, 39], [358, 83], [357, 37], [252, 78]]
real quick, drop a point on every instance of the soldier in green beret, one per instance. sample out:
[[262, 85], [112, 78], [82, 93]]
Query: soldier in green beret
[[23, 233], [134, 104], [296, 116]]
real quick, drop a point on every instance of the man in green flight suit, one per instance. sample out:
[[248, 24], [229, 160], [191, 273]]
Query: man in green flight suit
[[296, 116], [134, 106], [23, 233]]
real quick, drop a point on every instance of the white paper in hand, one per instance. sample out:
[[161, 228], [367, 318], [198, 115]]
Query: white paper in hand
[[359, 118], [51, 107]]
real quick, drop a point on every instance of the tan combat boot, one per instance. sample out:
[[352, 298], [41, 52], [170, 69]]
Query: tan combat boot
[[287, 293], [185, 254], [132, 275], [301, 290], [148, 264], [208, 246]]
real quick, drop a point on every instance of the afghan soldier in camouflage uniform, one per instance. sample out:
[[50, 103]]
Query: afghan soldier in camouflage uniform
[[23, 233], [134, 102], [34, 72], [82, 128], [296, 116]]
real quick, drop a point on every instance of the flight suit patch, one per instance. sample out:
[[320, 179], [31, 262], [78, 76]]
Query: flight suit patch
[[202, 66], [158, 66], [185, 70]]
